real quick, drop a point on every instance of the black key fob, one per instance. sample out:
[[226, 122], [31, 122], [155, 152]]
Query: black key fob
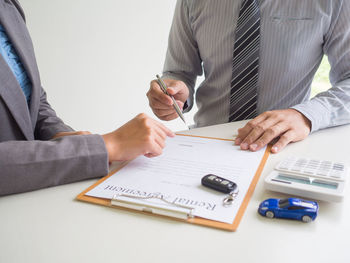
[[218, 183]]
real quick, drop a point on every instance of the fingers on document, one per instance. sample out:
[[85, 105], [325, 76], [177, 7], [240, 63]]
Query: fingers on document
[[155, 137], [283, 126], [155, 148]]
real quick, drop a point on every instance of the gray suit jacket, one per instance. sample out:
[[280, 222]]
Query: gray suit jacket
[[29, 160]]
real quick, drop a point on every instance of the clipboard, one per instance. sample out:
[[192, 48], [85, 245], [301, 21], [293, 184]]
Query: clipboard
[[132, 206]]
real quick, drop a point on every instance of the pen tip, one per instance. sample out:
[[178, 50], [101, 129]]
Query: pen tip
[[157, 76]]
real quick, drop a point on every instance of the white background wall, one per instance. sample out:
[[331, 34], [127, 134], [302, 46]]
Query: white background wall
[[96, 58]]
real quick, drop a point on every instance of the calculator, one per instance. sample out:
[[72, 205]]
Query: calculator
[[315, 179]]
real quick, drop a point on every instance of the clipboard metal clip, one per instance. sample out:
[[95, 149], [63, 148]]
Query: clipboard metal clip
[[166, 209]]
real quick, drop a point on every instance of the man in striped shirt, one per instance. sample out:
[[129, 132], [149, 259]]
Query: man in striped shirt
[[284, 41]]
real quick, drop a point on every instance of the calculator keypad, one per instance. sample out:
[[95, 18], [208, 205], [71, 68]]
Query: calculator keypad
[[315, 168]]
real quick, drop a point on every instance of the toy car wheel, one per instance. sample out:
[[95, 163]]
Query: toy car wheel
[[270, 214], [306, 219]]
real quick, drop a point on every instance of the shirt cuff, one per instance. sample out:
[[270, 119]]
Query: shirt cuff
[[316, 112]]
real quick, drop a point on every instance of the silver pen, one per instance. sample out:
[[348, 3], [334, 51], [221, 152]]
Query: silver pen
[[176, 107]]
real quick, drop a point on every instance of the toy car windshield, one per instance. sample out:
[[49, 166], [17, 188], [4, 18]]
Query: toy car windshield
[[283, 203]]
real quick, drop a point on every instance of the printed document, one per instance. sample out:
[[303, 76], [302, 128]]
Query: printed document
[[177, 174]]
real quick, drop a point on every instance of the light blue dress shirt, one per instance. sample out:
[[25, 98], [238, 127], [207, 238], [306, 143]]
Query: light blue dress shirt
[[9, 54]]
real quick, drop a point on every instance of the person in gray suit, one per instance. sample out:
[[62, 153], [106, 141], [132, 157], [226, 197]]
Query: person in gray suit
[[37, 149]]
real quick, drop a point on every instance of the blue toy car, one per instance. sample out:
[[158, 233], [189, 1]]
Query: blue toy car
[[293, 208]]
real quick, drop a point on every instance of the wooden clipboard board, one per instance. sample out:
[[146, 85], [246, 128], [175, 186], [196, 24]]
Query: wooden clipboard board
[[195, 220]]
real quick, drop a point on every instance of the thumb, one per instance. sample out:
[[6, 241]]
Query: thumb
[[175, 90], [180, 104]]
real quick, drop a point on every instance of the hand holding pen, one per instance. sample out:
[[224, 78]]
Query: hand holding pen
[[162, 104]]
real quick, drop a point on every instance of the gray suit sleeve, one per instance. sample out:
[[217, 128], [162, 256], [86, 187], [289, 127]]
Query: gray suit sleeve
[[31, 165], [332, 108], [48, 124], [183, 61]]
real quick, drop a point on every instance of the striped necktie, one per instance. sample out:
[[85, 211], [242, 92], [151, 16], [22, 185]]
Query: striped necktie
[[245, 70]]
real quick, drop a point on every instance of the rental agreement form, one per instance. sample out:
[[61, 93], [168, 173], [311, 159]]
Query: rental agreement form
[[177, 174]]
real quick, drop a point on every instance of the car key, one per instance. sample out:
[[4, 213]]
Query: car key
[[222, 185], [219, 184]]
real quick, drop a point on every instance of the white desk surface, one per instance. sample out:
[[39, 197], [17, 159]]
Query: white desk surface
[[50, 226]]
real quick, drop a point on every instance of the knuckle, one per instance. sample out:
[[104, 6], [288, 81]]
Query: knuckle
[[272, 114], [148, 124], [260, 128], [142, 116], [240, 130], [280, 115], [138, 118], [272, 131], [262, 141], [251, 125]]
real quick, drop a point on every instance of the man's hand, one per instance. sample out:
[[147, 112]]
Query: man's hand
[[162, 104], [140, 136], [283, 125], [62, 134]]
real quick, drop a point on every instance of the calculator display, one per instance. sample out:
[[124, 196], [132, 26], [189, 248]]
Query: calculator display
[[316, 182]]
